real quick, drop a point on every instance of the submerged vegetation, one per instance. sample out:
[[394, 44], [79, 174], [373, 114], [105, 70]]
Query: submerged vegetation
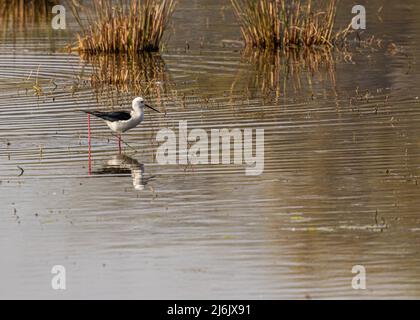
[[281, 23], [122, 26]]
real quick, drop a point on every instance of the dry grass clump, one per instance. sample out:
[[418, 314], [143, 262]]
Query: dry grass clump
[[19, 13], [282, 23], [122, 26]]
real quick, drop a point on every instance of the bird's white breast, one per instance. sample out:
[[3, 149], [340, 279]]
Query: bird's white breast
[[123, 126]]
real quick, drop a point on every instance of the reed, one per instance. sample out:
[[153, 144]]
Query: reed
[[128, 26], [282, 23], [20, 13]]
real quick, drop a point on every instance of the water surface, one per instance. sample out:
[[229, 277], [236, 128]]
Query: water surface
[[339, 188]]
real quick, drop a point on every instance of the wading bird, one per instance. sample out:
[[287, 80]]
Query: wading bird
[[122, 121]]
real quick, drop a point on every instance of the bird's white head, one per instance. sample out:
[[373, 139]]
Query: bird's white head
[[139, 104]]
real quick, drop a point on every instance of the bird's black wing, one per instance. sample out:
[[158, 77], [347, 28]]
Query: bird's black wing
[[115, 116], [111, 116]]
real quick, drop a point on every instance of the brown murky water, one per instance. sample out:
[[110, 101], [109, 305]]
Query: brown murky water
[[339, 188]]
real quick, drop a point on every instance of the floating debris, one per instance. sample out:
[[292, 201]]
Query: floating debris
[[21, 171]]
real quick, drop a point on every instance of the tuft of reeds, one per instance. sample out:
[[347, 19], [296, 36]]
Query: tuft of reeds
[[20, 13], [128, 26], [287, 23]]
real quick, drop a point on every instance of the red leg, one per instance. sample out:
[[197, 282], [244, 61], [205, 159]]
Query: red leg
[[89, 149], [119, 142]]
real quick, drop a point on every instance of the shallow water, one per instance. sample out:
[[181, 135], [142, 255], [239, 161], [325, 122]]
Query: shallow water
[[339, 187]]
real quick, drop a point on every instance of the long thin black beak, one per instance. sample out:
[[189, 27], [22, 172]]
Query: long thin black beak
[[152, 108]]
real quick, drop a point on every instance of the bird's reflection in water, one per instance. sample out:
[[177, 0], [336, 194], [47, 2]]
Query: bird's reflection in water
[[122, 165]]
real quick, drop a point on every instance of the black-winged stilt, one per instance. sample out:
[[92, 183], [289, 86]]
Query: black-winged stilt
[[122, 121]]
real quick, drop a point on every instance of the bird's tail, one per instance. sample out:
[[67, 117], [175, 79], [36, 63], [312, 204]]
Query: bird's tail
[[94, 113], [88, 112]]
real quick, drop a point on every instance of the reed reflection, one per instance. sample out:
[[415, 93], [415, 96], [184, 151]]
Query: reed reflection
[[276, 74], [132, 75]]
